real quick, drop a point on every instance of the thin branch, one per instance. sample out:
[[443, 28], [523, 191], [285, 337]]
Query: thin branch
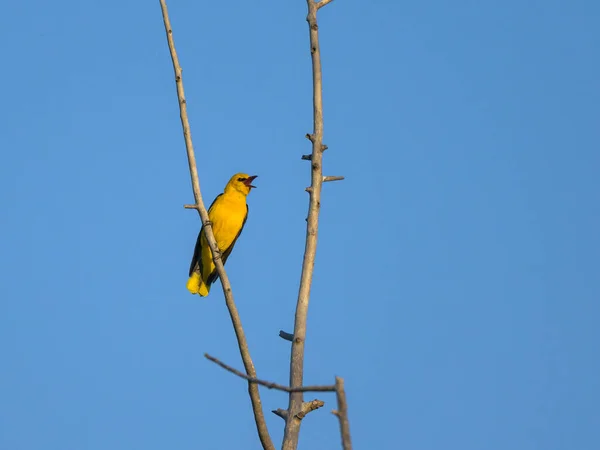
[[269, 384], [286, 336], [342, 413], [259, 417], [292, 426], [330, 178], [323, 3]]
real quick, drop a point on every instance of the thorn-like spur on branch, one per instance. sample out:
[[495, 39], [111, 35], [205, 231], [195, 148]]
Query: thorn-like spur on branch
[[342, 413], [259, 418], [281, 413], [307, 157], [286, 336], [308, 407], [269, 384], [190, 206], [328, 178], [310, 137], [323, 3]]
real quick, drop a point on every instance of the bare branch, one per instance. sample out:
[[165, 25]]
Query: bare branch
[[307, 157], [286, 336], [292, 426], [269, 384], [329, 178], [323, 3], [281, 413], [309, 406], [342, 413], [259, 417]]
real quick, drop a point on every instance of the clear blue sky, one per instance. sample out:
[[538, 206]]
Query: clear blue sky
[[457, 281]]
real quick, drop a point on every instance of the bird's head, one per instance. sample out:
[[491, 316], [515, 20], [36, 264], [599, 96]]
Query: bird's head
[[241, 182]]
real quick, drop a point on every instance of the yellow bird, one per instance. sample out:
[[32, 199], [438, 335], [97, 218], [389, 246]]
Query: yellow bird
[[228, 214]]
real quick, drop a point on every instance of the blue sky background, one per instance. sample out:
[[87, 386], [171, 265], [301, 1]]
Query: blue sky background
[[457, 280]]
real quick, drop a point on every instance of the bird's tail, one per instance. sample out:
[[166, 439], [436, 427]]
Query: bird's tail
[[196, 286]]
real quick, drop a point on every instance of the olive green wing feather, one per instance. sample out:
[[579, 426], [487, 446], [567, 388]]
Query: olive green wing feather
[[197, 259]]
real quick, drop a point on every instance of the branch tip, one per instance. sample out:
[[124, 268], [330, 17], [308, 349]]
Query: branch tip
[[286, 336], [342, 413], [323, 3], [331, 178], [281, 413]]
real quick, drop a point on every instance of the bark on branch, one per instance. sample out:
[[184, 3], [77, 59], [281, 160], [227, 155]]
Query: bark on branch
[[296, 399], [342, 413], [259, 418]]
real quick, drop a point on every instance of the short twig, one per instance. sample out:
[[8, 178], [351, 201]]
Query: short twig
[[281, 413], [308, 407], [323, 3], [330, 178], [286, 336], [269, 384]]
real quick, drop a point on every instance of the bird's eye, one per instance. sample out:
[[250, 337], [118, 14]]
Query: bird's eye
[[242, 179]]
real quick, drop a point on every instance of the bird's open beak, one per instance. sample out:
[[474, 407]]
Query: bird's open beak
[[249, 180]]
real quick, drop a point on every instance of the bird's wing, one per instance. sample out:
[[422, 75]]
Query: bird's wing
[[213, 275], [196, 259]]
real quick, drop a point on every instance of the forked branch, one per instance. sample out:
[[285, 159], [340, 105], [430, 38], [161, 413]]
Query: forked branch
[[199, 206]]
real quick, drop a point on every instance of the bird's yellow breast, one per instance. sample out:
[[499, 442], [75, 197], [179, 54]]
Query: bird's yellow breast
[[227, 217]]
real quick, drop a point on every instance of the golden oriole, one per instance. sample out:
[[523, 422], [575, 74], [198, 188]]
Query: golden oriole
[[228, 214]]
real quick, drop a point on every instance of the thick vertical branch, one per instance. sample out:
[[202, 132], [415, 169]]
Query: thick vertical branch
[[235, 318], [293, 420]]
